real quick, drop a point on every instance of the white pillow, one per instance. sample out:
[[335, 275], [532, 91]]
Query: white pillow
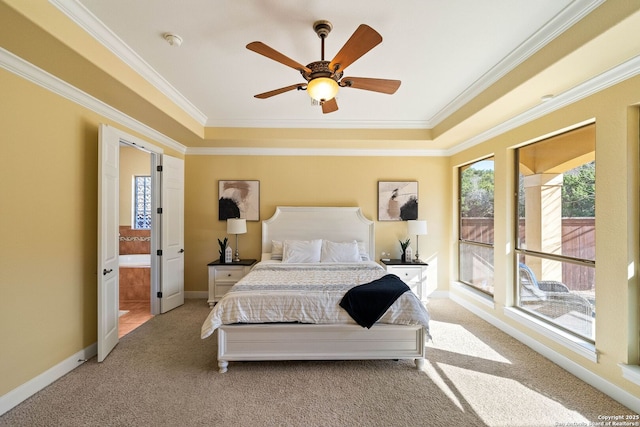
[[364, 251], [340, 252], [276, 250], [298, 251]]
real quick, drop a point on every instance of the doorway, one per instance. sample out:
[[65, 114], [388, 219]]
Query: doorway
[[134, 237], [167, 232]]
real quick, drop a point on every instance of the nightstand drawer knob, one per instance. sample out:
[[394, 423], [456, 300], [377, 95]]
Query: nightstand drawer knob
[[229, 274]]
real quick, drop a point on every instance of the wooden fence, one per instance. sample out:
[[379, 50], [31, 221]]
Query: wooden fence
[[578, 241]]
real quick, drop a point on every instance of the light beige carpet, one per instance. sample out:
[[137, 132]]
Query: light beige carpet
[[163, 374]]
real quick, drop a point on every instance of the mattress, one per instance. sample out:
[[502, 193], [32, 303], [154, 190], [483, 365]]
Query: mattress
[[275, 292]]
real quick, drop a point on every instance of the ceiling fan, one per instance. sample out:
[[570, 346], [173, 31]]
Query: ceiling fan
[[324, 78]]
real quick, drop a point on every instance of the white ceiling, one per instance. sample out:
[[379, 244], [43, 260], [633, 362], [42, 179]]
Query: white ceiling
[[443, 51]]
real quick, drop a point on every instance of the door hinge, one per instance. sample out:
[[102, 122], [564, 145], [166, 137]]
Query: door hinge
[[159, 210], [159, 294], [159, 168], [159, 252]]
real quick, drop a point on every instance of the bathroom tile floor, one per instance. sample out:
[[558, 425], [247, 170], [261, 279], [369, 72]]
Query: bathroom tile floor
[[139, 312]]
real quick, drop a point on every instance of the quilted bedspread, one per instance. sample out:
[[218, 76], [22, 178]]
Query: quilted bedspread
[[305, 293]]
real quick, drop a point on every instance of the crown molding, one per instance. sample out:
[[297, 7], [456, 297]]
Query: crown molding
[[86, 20], [566, 18], [30, 72], [326, 123], [340, 152], [571, 14], [622, 72]]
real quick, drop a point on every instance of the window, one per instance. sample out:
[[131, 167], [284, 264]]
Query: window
[[142, 202], [556, 230], [476, 225]]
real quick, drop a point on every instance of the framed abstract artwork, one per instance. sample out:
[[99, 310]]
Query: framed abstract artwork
[[397, 200], [239, 199]]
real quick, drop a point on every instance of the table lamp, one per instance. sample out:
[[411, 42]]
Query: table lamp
[[236, 226], [419, 228]]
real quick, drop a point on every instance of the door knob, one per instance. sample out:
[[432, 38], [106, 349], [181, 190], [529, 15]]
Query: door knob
[[105, 271], [181, 251]]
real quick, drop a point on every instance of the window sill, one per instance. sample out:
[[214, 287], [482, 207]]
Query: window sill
[[473, 294], [631, 372], [579, 346]]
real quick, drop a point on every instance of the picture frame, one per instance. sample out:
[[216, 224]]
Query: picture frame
[[397, 200], [239, 199]]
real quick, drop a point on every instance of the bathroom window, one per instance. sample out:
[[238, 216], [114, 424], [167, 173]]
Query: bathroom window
[[142, 202]]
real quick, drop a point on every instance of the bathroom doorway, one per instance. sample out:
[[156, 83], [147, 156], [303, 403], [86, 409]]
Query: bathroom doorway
[[135, 235], [167, 232]]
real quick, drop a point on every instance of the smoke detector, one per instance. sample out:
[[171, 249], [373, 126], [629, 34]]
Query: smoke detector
[[173, 39]]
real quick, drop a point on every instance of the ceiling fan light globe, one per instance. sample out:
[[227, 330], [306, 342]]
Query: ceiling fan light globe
[[322, 88]]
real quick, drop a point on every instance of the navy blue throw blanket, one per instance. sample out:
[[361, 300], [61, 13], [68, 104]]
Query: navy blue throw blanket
[[367, 303]]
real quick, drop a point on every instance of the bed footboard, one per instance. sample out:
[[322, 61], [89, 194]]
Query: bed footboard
[[319, 342]]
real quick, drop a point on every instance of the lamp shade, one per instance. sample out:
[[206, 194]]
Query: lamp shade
[[322, 88], [416, 227], [236, 226]]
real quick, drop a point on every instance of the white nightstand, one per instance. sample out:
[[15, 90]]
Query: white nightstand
[[414, 274], [222, 276]]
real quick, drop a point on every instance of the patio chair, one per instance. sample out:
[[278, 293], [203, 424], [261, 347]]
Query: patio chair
[[549, 297]]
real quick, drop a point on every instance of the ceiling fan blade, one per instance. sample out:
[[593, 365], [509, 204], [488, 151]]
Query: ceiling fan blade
[[376, 85], [263, 49], [329, 106], [362, 41], [279, 91]]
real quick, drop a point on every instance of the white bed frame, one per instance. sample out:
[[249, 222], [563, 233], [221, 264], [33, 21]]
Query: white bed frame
[[278, 341]]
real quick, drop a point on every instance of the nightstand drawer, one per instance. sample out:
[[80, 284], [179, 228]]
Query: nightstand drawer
[[407, 274], [229, 274], [414, 274], [222, 277], [222, 288]]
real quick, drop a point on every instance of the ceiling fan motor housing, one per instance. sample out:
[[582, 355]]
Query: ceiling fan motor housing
[[320, 69]]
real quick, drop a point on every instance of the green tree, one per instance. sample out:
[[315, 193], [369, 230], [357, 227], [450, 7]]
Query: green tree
[[579, 191], [476, 187]]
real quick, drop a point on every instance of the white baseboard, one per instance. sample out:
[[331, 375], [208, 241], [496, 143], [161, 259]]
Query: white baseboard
[[438, 295], [605, 386], [31, 387], [196, 294]]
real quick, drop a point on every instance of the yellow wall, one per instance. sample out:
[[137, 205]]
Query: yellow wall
[[311, 181], [48, 191], [48, 234], [617, 219], [48, 227], [132, 162], [48, 188], [48, 202]]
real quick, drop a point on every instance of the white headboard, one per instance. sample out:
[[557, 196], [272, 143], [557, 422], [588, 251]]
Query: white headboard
[[338, 224]]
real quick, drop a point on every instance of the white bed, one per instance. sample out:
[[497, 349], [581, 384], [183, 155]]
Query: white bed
[[345, 340]]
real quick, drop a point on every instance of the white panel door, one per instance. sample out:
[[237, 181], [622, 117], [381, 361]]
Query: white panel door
[[108, 250], [172, 286]]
